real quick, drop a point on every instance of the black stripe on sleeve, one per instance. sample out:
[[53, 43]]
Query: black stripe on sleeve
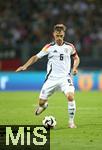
[[73, 55]]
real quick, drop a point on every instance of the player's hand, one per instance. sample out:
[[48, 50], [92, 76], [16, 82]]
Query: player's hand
[[21, 68], [74, 71]]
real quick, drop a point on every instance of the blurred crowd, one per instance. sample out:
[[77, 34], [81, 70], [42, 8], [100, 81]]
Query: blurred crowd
[[27, 25]]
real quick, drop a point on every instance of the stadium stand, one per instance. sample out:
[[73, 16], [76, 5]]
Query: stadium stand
[[25, 26]]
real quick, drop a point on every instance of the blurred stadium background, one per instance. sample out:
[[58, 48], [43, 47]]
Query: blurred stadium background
[[25, 26]]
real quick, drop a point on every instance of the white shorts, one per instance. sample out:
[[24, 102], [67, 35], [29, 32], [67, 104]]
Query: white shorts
[[51, 85]]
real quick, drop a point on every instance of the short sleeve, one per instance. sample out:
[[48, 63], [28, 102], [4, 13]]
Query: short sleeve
[[44, 51], [73, 50]]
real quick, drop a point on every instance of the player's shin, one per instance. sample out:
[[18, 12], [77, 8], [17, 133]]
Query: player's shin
[[71, 112], [41, 108]]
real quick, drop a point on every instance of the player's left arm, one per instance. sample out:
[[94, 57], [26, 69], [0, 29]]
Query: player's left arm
[[75, 63]]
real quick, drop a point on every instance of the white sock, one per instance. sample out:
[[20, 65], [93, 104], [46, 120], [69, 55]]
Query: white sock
[[40, 109], [71, 110]]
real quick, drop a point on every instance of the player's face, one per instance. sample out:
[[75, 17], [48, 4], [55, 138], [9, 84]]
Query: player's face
[[59, 36]]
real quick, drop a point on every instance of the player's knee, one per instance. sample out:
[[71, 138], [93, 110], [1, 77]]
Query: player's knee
[[70, 97]]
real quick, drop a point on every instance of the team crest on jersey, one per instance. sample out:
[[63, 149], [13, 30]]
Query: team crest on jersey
[[66, 50]]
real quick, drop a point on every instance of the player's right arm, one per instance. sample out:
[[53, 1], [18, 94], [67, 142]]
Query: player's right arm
[[31, 61], [34, 58]]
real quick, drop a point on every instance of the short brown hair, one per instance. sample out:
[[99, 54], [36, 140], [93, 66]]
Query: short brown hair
[[59, 27]]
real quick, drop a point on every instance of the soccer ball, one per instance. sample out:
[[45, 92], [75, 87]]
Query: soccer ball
[[49, 122]]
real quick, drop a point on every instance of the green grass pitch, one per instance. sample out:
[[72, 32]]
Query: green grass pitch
[[18, 108]]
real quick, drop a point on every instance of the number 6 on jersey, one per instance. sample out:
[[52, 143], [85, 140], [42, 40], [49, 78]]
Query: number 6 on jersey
[[61, 56]]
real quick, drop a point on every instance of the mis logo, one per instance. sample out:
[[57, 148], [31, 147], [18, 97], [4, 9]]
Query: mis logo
[[33, 137]]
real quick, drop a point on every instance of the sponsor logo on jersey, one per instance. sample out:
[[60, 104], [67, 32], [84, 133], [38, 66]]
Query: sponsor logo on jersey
[[55, 51]]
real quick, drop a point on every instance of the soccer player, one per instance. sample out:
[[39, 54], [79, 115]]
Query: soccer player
[[58, 71]]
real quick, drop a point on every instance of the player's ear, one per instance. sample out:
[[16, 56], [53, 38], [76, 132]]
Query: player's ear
[[63, 34], [53, 34]]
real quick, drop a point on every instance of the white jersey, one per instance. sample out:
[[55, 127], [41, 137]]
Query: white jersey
[[59, 59]]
